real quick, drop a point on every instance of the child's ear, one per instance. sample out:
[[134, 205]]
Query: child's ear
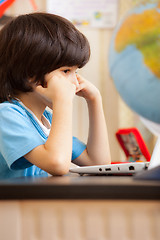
[[43, 82], [38, 82], [31, 81]]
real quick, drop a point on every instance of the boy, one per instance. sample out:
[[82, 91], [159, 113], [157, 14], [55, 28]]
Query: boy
[[39, 56]]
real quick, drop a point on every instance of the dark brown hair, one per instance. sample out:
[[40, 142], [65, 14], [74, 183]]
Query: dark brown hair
[[34, 44]]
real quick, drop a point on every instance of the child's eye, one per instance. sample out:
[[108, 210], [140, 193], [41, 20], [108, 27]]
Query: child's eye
[[66, 70]]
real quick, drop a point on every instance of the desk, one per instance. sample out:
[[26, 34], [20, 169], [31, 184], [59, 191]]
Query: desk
[[80, 208]]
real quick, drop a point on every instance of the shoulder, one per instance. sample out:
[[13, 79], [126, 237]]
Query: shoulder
[[10, 112], [7, 107]]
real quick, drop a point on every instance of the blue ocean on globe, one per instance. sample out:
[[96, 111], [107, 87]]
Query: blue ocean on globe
[[134, 60]]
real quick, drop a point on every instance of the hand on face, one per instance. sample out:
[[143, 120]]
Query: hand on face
[[86, 89], [61, 84], [64, 83]]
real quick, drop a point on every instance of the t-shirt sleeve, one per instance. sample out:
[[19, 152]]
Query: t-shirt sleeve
[[18, 136], [77, 148]]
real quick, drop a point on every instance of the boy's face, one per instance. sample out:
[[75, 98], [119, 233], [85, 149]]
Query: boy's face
[[68, 72]]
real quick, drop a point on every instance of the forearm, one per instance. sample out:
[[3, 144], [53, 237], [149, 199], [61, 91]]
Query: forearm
[[54, 156], [59, 142], [97, 144]]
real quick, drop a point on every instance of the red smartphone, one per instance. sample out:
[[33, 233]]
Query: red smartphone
[[133, 145]]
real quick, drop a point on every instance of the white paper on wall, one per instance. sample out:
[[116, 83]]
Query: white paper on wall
[[92, 13]]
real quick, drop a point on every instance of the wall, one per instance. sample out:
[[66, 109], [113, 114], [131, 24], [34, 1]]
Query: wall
[[117, 114]]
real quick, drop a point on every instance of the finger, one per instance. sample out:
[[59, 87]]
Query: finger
[[81, 87], [77, 83], [79, 78]]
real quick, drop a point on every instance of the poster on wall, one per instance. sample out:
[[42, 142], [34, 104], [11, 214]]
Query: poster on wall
[[92, 13], [11, 8], [4, 4]]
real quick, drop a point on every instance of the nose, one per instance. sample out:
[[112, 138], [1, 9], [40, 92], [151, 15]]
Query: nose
[[75, 81]]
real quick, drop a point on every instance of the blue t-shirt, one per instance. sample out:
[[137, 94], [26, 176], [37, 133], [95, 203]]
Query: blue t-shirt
[[19, 134]]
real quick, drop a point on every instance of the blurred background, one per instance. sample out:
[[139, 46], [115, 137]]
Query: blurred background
[[98, 30]]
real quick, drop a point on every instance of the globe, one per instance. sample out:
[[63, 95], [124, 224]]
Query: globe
[[134, 60]]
